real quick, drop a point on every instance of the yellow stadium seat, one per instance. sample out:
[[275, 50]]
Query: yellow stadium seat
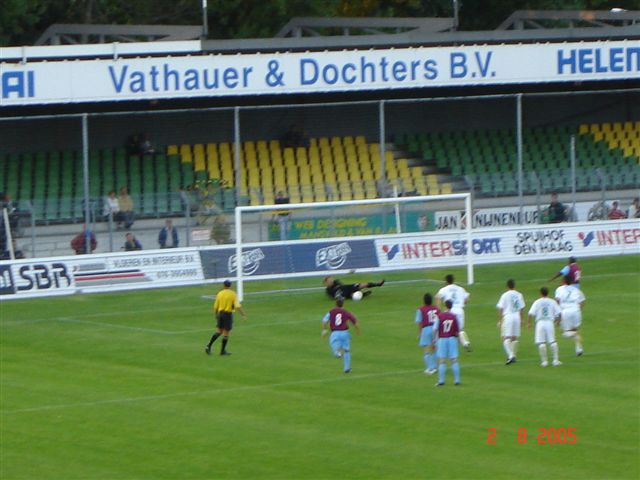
[[583, 129], [336, 142], [360, 140], [274, 145], [301, 155], [323, 142], [347, 141], [185, 153], [261, 145], [172, 150], [445, 188]]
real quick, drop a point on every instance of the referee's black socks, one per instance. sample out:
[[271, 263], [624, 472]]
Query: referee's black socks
[[213, 339], [225, 339]]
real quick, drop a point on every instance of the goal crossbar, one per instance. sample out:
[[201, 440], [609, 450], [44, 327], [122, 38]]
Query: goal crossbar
[[394, 201]]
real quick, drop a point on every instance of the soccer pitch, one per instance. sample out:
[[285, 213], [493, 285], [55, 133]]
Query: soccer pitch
[[117, 386]]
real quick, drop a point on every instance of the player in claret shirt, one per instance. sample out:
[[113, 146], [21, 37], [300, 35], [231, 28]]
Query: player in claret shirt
[[573, 270], [459, 298], [447, 331], [335, 288], [426, 317], [337, 321]]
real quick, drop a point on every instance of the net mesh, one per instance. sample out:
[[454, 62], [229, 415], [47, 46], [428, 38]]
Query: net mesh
[[295, 240]]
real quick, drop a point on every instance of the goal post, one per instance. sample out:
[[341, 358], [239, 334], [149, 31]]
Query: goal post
[[268, 228]]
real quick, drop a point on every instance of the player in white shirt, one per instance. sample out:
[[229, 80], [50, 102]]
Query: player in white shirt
[[510, 308], [571, 300], [545, 312], [459, 298]]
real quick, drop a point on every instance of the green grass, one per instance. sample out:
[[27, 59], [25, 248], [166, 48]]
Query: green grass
[[117, 386]]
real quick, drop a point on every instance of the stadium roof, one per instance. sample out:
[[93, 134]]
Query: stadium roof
[[306, 33]]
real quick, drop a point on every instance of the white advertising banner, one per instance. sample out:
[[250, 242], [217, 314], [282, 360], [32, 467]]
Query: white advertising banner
[[513, 244], [508, 216], [99, 273], [310, 72]]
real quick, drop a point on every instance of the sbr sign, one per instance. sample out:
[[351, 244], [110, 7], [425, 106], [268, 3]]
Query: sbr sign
[[42, 276]]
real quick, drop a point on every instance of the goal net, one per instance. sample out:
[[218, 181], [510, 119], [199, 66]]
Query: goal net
[[291, 240]]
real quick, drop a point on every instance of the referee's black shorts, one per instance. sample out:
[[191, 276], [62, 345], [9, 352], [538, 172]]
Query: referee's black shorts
[[225, 320]]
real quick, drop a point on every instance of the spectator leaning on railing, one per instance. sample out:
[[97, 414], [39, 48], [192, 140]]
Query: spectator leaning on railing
[[131, 243], [168, 236], [616, 213], [557, 212], [125, 203]]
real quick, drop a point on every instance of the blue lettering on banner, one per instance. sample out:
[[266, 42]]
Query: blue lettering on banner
[[7, 286], [598, 60], [22, 84], [311, 72], [167, 79], [43, 276], [478, 68], [480, 246]]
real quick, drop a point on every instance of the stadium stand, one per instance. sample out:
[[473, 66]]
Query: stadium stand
[[336, 167], [608, 152]]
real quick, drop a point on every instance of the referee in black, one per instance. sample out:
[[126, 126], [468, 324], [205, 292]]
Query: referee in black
[[226, 303]]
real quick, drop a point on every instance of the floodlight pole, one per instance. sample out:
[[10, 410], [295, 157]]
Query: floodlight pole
[[382, 149], [456, 18], [519, 155], [85, 183], [205, 20], [572, 152]]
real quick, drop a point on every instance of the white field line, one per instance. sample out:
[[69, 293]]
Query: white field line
[[398, 283], [267, 386]]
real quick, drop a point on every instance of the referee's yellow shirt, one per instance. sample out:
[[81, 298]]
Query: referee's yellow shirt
[[226, 301]]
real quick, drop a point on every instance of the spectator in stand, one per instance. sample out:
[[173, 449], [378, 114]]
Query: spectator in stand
[[133, 144], [295, 137], [131, 243], [557, 212], [79, 245], [12, 210], [616, 213], [6, 254], [145, 146], [634, 209], [282, 216], [125, 202], [112, 208], [168, 236]]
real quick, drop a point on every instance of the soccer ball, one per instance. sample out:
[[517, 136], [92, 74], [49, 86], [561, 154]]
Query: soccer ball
[[356, 296]]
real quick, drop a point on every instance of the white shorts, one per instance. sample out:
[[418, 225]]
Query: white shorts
[[545, 332], [510, 325], [459, 313], [570, 319]]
